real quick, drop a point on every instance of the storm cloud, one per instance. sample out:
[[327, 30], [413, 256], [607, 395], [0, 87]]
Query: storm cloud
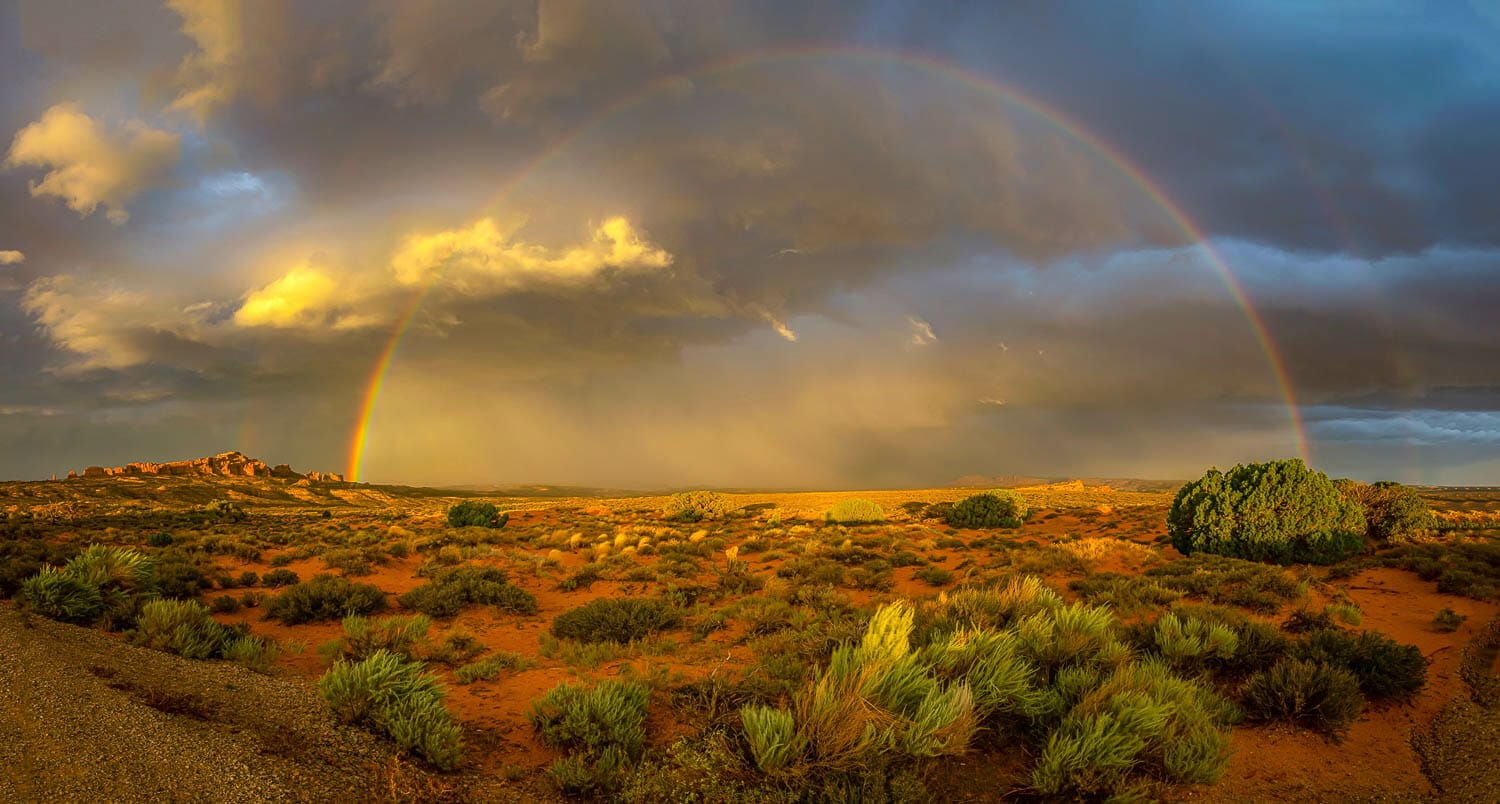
[[682, 243]]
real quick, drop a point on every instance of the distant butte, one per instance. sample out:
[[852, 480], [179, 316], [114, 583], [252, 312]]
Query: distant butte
[[225, 464]]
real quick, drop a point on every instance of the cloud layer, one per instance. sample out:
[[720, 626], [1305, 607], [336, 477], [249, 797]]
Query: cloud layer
[[693, 243]]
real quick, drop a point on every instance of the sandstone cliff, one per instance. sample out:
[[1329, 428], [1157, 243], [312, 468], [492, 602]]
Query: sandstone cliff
[[225, 464]]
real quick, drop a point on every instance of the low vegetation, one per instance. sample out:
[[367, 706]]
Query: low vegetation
[[614, 620], [451, 589], [325, 598], [1047, 644], [601, 727]]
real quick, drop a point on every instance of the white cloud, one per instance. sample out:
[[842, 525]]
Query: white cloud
[[12, 258], [89, 165]]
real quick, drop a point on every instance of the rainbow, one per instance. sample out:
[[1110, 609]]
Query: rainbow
[[982, 84]]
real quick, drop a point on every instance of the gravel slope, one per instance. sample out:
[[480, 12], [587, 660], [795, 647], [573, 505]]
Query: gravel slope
[[84, 717]]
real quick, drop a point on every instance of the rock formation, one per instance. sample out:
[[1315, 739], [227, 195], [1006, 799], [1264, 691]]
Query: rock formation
[[225, 464]]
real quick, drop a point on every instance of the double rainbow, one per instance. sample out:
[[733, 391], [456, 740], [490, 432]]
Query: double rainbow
[[918, 62]]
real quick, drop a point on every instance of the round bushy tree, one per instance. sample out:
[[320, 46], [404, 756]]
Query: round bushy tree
[[1278, 511], [471, 513], [992, 509], [1394, 512]]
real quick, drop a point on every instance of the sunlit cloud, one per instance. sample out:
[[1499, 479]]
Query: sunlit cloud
[[89, 165], [779, 326], [484, 256], [921, 332], [300, 297], [11, 257], [207, 75]]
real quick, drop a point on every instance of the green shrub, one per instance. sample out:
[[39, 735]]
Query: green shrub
[[992, 509], [160, 539], [1386, 669], [390, 694], [1316, 695], [277, 578], [614, 620], [1189, 644], [224, 604], [107, 583], [1393, 512], [704, 769], [1467, 568], [176, 576], [579, 718], [1278, 511], [471, 513], [695, 506], [57, 594], [933, 576], [937, 510], [854, 511], [363, 637], [1124, 594], [24, 554], [491, 666], [1258, 645], [772, 733], [325, 598], [602, 727], [183, 627], [1141, 721], [1229, 581], [1304, 621], [1447, 621], [450, 590], [223, 511]]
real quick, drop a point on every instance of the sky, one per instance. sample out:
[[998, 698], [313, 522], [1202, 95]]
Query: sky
[[715, 243]]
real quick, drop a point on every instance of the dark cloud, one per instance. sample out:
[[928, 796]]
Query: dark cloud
[[839, 269]]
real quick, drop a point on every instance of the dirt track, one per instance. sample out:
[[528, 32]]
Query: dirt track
[[86, 718]]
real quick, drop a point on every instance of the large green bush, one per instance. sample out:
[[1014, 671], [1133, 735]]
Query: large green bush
[[471, 513], [1278, 511], [992, 509], [392, 695], [325, 598], [614, 620], [1393, 512]]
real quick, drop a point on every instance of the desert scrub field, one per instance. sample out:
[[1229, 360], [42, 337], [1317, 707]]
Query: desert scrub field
[[801, 646]]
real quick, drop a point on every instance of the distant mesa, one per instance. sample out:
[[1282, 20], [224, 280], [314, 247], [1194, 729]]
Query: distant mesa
[[225, 464]]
